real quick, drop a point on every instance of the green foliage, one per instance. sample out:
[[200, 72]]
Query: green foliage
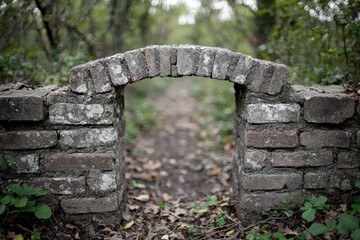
[[312, 206], [193, 230], [22, 198], [6, 162]]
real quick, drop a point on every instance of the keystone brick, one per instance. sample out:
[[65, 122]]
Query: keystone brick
[[272, 181], [242, 69], [323, 138], [61, 185], [329, 109], [258, 202], [22, 105], [152, 60], [79, 76], [255, 160], [118, 72], [301, 159], [165, 64], [316, 180], [77, 114], [86, 138], [27, 164], [270, 113], [101, 182], [187, 59], [221, 64], [272, 139], [348, 160], [74, 162], [206, 62], [136, 63], [100, 78], [28, 139], [89, 205]]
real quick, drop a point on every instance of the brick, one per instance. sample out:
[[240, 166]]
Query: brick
[[289, 181], [101, 182], [165, 63], [152, 60], [323, 138], [118, 72], [136, 63], [80, 114], [329, 109], [187, 59], [348, 160], [271, 113], [242, 69], [222, 62], [74, 162], [61, 185], [28, 139], [206, 62], [316, 180], [20, 105], [301, 159], [258, 202], [343, 180], [89, 205], [272, 139], [99, 77], [27, 164], [358, 138], [88, 137], [255, 160], [79, 76]]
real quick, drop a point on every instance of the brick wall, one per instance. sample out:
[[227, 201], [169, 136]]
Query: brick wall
[[290, 140]]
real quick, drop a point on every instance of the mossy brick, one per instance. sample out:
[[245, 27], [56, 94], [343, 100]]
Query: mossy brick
[[32, 139], [348, 160], [61, 185], [272, 113], [316, 180], [136, 63], [302, 158]]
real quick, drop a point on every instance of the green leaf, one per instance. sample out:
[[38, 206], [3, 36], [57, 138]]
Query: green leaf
[[2, 208], [26, 190], [347, 223], [279, 236], [317, 229], [20, 202], [7, 199], [42, 211], [220, 221], [307, 206], [320, 201], [211, 202], [309, 214], [355, 235], [330, 223], [357, 183]]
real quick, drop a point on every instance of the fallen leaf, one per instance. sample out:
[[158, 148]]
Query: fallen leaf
[[18, 237], [129, 224], [166, 197], [152, 209], [151, 166], [230, 232], [133, 207], [180, 211], [215, 170], [165, 237], [143, 197]]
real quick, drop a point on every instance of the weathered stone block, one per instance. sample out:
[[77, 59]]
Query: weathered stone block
[[27, 164], [118, 72], [324, 138], [318, 180], [153, 60], [165, 64], [242, 69], [136, 63], [101, 182], [272, 139], [89, 205], [28, 139], [222, 61], [270, 113], [206, 62], [329, 109], [74, 162], [79, 76], [80, 114], [187, 59], [255, 160], [99, 77], [301, 159], [291, 181], [61, 185], [348, 160], [258, 202], [22, 105], [87, 137], [343, 180]]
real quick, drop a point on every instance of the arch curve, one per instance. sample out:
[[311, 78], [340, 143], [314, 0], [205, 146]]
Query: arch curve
[[102, 75]]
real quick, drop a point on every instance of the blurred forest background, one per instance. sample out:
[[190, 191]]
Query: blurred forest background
[[42, 39]]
